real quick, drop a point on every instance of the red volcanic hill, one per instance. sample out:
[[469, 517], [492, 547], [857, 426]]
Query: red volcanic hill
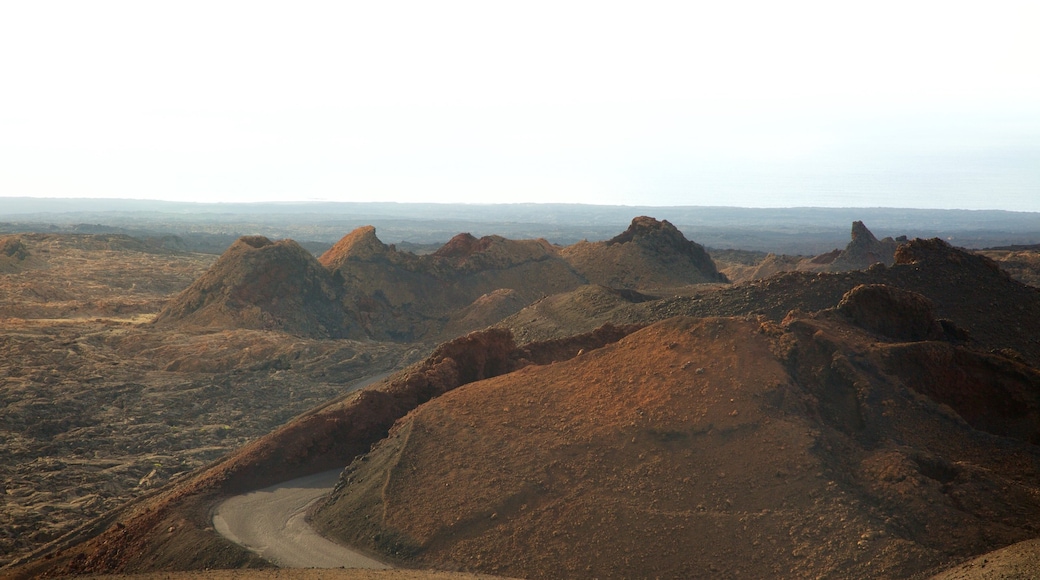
[[837, 444], [649, 255], [260, 284]]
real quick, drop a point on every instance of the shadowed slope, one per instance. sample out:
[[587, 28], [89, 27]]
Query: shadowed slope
[[261, 284], [649, 254]]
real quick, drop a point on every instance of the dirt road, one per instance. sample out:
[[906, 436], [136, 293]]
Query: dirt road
[[272, 523]]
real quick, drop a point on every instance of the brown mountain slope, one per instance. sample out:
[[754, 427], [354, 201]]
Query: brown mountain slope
[[172, 530], [403, 296], [713, 448], [260, 284], [968, 289], [649, 255]]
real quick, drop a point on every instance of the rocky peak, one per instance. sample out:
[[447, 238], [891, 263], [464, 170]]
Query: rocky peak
[[644, 227], [864, 250], [861, 233], [359, 245]]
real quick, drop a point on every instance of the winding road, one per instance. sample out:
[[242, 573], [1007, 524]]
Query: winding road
[[272, 521]]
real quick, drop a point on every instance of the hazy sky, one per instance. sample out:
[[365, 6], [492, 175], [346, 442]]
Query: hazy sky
[[753, 103]]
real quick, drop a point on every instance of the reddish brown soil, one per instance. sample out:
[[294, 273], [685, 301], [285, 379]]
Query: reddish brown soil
[[172, 530], [708, 448]]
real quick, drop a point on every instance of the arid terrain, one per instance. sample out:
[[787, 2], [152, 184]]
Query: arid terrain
[[97, 406], [634, 407]]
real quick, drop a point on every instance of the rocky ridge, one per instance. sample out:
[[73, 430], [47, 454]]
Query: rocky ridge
[[362, 288], [649, 255]]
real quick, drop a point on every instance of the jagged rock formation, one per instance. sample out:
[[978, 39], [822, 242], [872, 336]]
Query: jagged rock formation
[[649, 254], [812, 448], [865, 250], [260, 284]]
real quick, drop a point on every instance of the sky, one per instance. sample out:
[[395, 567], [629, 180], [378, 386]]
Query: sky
[[904, 103]]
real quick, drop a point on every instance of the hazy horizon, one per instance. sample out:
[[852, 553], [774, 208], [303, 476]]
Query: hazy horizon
[[748, 104]]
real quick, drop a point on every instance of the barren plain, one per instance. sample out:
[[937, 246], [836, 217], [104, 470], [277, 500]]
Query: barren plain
[[98, 407]]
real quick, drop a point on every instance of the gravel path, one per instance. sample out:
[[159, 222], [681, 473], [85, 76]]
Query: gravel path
[[272, 522]]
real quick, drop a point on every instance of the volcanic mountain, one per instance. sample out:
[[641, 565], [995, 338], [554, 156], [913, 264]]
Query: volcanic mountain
[[851, 443], [649, 255], [970, 291], [363, 288], [881, 422], [260, 284]]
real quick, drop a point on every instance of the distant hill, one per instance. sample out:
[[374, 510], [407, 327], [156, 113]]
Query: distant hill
[[862, 251], [649, 254], [266, 285], [805, 231], [363, 288]]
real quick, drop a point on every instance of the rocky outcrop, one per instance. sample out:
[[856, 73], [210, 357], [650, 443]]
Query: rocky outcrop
[[360, 245], [261, 284], [865, 250], [13, 248], [13, 254], [649, 254], [891, 312]]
